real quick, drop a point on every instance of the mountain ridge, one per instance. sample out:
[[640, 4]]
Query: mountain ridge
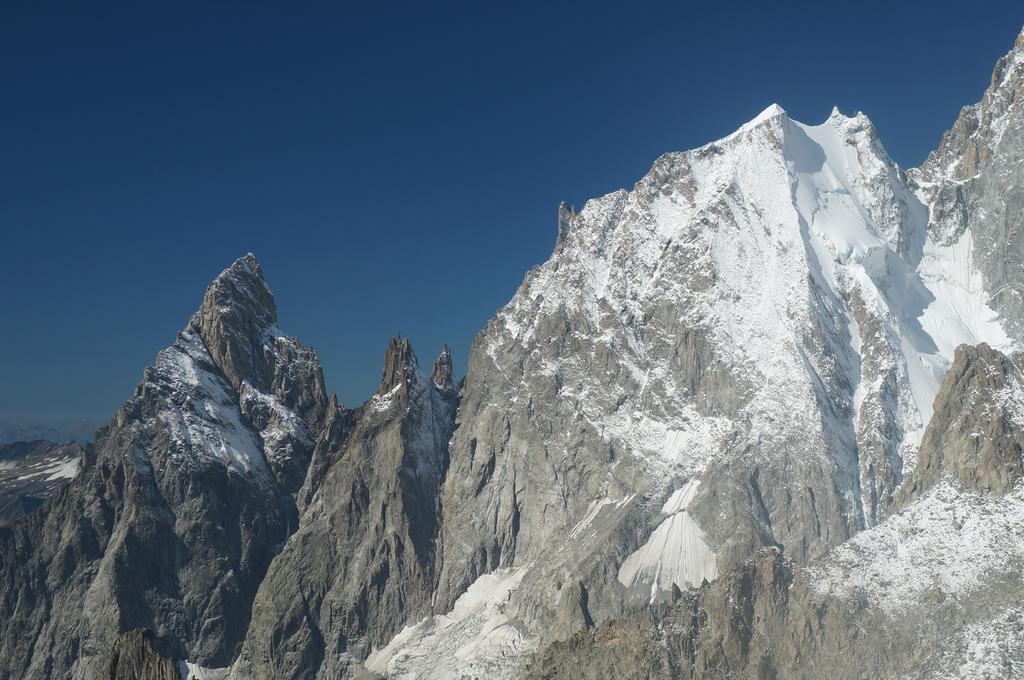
[[735, 424]]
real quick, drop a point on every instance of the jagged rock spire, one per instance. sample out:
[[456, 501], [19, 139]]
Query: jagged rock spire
[[399, 363], [442, 376], [238, 325], [237, 310], [566, 214]]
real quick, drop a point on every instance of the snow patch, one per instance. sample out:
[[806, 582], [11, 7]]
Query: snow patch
[[65, 469], [988, 650], [675, 553], [476, 639], [193, 671], [948, 540], [201, 412]]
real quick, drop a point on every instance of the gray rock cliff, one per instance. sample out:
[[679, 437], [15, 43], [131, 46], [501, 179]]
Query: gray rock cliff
[[361, 563]]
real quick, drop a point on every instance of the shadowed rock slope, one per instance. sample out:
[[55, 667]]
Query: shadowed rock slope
[[361, 563]]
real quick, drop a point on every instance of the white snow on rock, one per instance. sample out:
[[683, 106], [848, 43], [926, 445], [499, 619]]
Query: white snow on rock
[[46, 470], [193, 671], [477, 639], [988, 650], [932, 301], [675, 553], [201, 412], [283, 424], [593, 511], [948, 540], [730, 236], [681, 497], [66, 469]]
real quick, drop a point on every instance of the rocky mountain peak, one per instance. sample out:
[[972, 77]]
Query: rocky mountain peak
[[400, 364], [237, 323], [442, 376], [970, 145], [1005, 65], [237, 313], [566, 214]]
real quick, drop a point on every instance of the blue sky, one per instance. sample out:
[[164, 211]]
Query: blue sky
[[395, 168]]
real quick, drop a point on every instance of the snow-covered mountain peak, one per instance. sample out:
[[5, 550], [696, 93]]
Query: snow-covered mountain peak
[[234, 391], [772, 112], [769, 299]]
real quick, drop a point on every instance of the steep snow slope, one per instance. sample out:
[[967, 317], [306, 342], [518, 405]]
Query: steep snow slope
[[675, 553]]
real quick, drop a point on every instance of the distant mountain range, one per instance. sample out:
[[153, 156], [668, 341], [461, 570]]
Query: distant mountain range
[[24, 430]]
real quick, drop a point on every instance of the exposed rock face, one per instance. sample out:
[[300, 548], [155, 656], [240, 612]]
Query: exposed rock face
[[31, 472], [396, 373], [361, 563], [238, 325], [974, 438], [443, 376], [176, 513], [975, 188], [134, 657], [885, 604]]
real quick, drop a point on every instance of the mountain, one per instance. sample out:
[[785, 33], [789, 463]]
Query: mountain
[[180, 504], [742, 353], [757, 416], [361, 563], [934, 591], [32, 471], [22, 430]]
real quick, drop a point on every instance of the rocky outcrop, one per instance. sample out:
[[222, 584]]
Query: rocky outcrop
[[134, 657], [443, 376], [238, 324], [178, 508], [31, 472], [361, 563], [975, 436], [280, 383]]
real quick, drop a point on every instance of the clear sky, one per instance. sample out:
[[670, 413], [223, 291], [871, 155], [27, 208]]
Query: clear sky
[[395, 168]]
